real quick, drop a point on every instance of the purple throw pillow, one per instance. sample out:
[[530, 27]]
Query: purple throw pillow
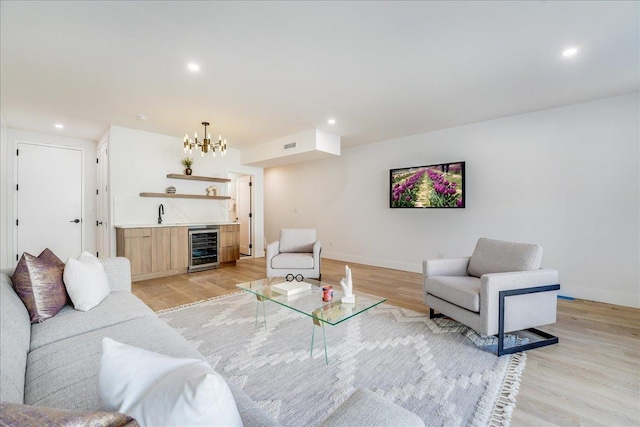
[[38, 283], [15, 414]]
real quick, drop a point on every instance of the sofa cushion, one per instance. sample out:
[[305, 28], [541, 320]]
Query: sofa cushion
[[116, 308], [156, 389], [36, 416], [463, 291], [118, 271], [38, 283], [497, 256], [297, 239], [292, 261], [64, 374], [86, 281], [14, 338]]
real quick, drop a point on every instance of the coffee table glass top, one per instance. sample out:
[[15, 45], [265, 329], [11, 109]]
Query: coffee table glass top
[[309, 302]]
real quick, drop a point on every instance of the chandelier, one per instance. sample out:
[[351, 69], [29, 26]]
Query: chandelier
[[206, 144]]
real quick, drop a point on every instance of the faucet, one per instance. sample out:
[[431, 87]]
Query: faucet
[[160, 213]]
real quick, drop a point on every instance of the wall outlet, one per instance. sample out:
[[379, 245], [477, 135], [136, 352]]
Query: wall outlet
[[440, 255], [330, 243], [295, 210]]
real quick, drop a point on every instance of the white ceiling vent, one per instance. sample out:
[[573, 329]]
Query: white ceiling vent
[[313, 144]]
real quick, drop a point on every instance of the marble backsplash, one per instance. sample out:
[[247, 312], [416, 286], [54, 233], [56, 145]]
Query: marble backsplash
[[129, 210]]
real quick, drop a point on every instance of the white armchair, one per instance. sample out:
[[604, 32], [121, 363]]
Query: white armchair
[[296, 252], [500, 288]]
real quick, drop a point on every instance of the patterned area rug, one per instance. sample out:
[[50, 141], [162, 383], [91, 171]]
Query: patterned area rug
[[438, 369]]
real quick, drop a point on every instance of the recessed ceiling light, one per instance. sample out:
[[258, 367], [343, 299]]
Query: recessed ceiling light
[[59, 126], [331, 121], [193, 67], [569, 52], [142, 117]]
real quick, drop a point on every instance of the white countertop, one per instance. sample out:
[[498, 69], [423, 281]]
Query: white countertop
[[180, 224]]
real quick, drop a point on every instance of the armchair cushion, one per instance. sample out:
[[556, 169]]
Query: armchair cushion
[[292, 260], [297, 239], [497, 256], [463, 291]]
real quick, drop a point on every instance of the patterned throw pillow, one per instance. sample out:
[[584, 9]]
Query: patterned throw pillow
[[38, 282], [14, 414]]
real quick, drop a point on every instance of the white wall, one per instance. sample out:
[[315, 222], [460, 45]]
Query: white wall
[[565, 178], [10, 138], [140, 161]]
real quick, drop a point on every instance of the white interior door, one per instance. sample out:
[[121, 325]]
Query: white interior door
[[49, 199], [243, 200], [103, 240]]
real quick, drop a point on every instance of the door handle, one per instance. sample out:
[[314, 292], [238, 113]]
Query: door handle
[[98, 223], [75, 220]]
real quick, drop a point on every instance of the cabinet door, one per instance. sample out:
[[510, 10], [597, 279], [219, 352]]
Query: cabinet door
[[161, 249], [230, 253], [179, 248], [229, 242], [137, 247]]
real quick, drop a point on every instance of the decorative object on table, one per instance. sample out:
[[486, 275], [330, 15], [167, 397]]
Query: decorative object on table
[[272, 370], [171, 190], [327, 293], [205, 145], [347, 287], [290, 277], [212, 191], [187, 162]]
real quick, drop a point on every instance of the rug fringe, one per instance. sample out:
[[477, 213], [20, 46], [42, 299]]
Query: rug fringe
[[506, 402], [191, 304]]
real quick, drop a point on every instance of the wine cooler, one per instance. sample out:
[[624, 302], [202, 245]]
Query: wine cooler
[[204, 244]]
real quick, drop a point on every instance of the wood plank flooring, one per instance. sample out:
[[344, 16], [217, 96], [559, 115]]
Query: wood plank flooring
[[592, 378]]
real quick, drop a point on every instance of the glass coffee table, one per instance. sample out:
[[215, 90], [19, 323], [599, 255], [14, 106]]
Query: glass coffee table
[[309, 303]]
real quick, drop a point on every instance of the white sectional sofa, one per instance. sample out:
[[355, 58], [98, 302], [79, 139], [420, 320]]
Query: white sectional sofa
[[54, 364]]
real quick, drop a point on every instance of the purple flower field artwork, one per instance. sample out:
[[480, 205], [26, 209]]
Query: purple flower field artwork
[[432, 186]]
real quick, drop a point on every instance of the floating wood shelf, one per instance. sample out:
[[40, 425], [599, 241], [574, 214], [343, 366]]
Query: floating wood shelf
[[184, 196], [197, 178]]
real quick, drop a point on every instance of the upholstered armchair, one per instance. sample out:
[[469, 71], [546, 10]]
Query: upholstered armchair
[[501, 288], [296, 252]]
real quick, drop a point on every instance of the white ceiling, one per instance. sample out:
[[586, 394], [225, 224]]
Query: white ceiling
[[273, 69]]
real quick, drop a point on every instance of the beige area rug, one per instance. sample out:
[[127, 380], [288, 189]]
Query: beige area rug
[[438, 369]]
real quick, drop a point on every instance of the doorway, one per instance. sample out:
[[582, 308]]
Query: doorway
[[103, 237], [49, 199], [241, 210]]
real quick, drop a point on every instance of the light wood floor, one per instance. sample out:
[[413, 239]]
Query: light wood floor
[[591, 378]]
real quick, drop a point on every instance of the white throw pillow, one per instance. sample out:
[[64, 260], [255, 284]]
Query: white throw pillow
[[159, 390], [86, 281]]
